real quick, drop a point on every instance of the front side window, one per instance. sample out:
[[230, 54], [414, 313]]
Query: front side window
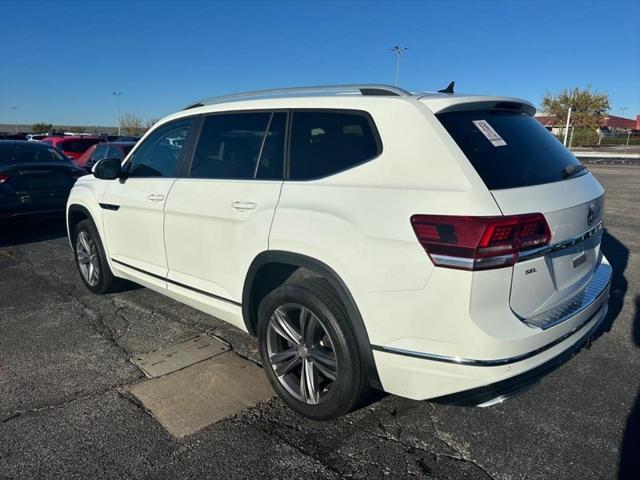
[[325, 142], [240, 146], [159, 154]]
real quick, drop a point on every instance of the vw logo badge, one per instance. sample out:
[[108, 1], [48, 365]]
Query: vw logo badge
[[591, 213]]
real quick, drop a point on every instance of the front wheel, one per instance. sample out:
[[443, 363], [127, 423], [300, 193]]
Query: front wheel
[[91, 259], [309, 350]]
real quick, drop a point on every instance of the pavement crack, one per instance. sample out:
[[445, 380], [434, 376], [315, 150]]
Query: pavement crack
[[455, 448], [287, 440], [64, 403]]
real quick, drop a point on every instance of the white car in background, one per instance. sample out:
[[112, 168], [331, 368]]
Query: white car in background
[[425, 244]]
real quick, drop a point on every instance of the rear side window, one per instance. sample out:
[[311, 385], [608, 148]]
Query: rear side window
[[508, 149], [240, 146], [327, 142]]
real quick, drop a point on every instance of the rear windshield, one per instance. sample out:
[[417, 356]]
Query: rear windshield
[[29, 153], [76, 146], [508, 149]]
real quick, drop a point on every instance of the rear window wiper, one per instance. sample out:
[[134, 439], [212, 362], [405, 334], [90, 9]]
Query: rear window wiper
[[572, 170]]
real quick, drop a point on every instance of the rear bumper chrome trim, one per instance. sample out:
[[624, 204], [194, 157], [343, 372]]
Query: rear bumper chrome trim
[[589, 297]]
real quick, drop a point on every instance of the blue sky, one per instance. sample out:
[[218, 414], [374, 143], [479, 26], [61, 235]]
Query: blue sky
[[60, 60]]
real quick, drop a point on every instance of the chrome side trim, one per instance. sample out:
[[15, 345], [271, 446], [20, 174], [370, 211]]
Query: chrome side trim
[[570, 242], [503, 361], [586, 298]]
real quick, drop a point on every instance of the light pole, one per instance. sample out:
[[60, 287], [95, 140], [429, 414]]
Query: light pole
[[15, 117], [622, 109], [398, 51], [117, 95]]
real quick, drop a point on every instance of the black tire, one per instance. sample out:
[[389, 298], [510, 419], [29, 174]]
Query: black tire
[[106, 281], [351, 383]]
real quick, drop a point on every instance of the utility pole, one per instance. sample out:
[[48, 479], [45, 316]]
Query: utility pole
[[15, 117], [117, 95], [398, 51]]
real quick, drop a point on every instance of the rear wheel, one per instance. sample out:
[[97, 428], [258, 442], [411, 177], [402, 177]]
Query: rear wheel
[[91, 260], [309, 350]]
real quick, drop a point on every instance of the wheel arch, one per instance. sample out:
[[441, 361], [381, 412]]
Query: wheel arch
[[290, 262], [75, 214]]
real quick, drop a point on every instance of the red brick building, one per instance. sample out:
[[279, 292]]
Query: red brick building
[[610, 121], [620, 123]]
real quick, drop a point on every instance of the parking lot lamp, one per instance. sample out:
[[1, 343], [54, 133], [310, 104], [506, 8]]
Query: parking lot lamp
[[117, 95], [622, 109], [15, 117], [398, 51]]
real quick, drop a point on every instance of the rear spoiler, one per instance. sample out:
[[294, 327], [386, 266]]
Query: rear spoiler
[[453, 103]]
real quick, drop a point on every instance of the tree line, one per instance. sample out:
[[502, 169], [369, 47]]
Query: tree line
[[130, 124]]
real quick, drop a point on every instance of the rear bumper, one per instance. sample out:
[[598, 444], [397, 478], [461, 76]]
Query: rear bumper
[[421, 375], [421, 379]]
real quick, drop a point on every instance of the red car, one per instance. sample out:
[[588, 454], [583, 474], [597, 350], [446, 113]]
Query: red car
[[103, 150], [72, 147]]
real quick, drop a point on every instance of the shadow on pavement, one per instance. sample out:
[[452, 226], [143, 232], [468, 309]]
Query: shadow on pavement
[[630, 451], [618, 256], [33, 230]]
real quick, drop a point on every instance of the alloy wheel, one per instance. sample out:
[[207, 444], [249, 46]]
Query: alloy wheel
[[88, 260], [301, 353]]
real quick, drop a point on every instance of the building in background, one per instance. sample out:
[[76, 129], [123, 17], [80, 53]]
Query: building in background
[[610, 124]]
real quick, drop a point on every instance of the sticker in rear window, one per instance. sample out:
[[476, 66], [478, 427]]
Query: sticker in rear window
[[488, 131]]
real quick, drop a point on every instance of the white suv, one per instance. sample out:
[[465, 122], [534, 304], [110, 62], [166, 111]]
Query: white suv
[[424, 244]]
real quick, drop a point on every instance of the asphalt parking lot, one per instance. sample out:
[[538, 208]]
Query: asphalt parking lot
[[67, 410]]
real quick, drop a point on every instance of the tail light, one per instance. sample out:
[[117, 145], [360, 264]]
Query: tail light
[[4, 178], [478, 243]]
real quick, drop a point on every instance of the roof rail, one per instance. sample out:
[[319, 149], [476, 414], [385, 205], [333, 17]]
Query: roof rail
[[353, 89]]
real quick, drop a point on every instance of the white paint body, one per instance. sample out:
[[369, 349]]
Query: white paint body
[[357, 223]]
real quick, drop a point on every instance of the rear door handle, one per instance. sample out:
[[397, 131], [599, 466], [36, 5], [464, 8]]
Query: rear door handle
[[244, 206], [156, 197]]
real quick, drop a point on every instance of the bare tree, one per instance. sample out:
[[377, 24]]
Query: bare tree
[[131, 124], [151, 122]]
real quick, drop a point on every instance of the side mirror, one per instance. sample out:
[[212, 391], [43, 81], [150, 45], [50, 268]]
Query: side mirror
[[107, 169]]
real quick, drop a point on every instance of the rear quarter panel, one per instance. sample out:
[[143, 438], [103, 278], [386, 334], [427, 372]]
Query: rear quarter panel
[[357, 221]]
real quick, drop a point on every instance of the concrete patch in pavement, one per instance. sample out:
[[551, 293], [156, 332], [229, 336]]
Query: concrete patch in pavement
[[179, 355], [192, 398]]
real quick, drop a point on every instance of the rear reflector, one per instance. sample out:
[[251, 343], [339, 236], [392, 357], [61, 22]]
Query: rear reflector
[[479, 243]]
